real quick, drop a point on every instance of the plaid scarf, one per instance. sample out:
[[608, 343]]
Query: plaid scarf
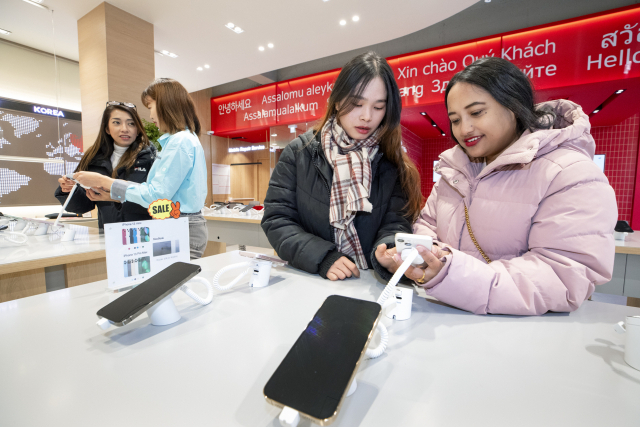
[[351, 162]]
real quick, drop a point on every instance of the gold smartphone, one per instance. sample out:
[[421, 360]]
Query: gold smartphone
[[315, 375]]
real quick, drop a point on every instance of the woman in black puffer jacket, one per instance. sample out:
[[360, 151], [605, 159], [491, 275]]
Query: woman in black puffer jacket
[[341, 192], [122, 150]]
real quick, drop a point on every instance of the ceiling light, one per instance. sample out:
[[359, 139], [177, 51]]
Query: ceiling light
[[343, 22], [355, 18], [619, 91], [232, 27], [261, 48], [7, 32], [487, 1], [443, 134], [166, 53], [595, 111], [275, 134], [434, 124], [423, 113], [270, 45], [36, 3], [206, 65], [199, 68]]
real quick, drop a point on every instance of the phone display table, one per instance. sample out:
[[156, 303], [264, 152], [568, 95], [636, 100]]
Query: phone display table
[[443, 367], [237, 230], [22, 267], [626, 270]]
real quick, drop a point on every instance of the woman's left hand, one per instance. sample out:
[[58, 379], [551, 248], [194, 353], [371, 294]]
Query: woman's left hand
[[101, 195], [93, 179]]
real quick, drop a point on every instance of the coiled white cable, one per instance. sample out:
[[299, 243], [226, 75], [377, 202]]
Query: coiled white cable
[[14, 237], [372, 353], [216, 278], [203, 301]]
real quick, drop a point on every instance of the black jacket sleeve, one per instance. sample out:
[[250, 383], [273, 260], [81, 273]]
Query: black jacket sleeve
[[394, 221], [79, 203], [281, 221]]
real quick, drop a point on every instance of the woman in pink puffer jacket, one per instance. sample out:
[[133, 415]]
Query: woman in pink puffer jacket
[[539, 208]]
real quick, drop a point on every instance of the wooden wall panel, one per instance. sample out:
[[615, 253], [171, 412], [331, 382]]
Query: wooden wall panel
[[130, 57], [94, 87], [22, 284], [202, 101], [116, 54]]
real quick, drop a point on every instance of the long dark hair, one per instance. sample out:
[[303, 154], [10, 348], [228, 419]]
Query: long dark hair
[[103, 147], [509, 86], [351, 82], [174, 105]]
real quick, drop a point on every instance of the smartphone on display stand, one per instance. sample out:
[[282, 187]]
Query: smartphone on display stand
[[315, 375], [148, 293]]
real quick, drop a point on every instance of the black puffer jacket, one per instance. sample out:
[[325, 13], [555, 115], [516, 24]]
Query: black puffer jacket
[[296, 214], [109, 212]]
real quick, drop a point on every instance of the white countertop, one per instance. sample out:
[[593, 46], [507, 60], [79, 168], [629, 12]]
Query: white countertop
[[443, 367], [630, 245], [49, 246]]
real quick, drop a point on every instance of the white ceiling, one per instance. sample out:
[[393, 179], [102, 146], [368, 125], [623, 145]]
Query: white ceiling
[[301, 30]]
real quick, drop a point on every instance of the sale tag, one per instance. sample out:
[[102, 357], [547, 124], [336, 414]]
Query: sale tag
[[163, 209]]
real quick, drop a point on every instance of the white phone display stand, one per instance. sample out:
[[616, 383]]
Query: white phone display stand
[[631, 328], [41, 230], [261, 274], [164, 312], [290, 417], [19, 225], [68, 235], [402, 309]]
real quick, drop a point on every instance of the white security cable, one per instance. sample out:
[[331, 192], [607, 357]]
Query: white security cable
[[372, 353], [203, 301], [216, 278], [14, 237], [55, 224]]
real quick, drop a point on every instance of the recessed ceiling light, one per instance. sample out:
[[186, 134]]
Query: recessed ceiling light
[[261, 48], [434, 124], [487, 1], [36, 3], [7, 32], [355, 18], [206, 65], [232, 27], [166, 53], [270, 45], [443, 134], [199, 68], [343, 22], [595, 111], [423, 113], [619, 91]]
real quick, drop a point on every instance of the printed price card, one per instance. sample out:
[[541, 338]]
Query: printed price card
[[138, 250]]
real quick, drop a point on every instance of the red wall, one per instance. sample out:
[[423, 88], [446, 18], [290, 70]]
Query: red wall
[[619, 143]]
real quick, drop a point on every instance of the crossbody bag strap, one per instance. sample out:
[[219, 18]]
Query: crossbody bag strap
[[473, 238]]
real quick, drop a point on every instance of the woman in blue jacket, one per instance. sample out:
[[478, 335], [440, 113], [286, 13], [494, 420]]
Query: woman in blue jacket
[[180, 172]]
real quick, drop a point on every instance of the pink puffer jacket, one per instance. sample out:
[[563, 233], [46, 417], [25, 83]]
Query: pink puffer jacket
[[542, 212]]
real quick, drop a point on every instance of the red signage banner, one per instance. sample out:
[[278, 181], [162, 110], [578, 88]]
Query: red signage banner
[[600, 48]]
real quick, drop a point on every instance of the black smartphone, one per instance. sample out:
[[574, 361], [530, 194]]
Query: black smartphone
[[315, 375], [148, 293], [246, 208]]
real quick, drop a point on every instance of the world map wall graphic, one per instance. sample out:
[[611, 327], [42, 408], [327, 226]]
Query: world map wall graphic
[[35, 150]]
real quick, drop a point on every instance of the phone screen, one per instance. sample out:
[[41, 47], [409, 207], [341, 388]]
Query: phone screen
[[135, 302], [316, 373]]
